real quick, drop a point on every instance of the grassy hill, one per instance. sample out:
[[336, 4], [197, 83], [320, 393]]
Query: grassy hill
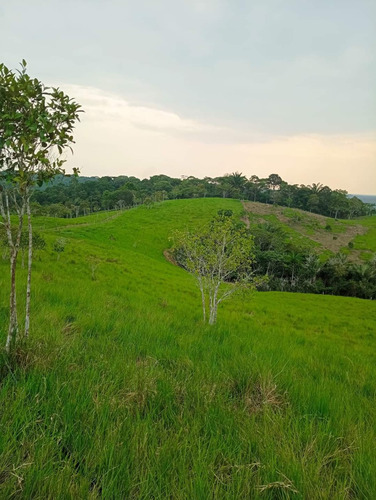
[[122, 392], [356, 238]]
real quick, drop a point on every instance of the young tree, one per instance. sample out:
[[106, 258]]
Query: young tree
[[338, 202], [14, 241], [219, 257], [36, 126], [59, 247]]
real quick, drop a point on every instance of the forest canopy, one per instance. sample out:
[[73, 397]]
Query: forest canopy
[[71, 197]]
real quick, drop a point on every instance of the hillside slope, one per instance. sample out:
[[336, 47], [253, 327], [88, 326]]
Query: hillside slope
[[357, 238], [122, 392]]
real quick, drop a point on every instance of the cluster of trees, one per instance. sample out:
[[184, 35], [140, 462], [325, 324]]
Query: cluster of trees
[[264, 256], [70, 198], [290, 267]]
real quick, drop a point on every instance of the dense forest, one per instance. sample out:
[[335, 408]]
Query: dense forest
[[291, 266], [74, 196]]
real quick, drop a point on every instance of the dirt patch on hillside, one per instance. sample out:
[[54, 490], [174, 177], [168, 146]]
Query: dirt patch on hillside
[[262, 209], [168, 256], [246, 221], [332, 235], [334, 242]]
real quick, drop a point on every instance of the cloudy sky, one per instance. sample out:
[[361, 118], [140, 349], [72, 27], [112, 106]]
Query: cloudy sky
[[208, 87]]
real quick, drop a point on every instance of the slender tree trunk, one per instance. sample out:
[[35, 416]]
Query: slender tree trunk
[[203, 299], [213, 313], [29, 266], [210, 306], [14, 245], [13, 321], [213, 306]]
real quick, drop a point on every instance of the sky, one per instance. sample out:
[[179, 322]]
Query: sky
[[209, 87]]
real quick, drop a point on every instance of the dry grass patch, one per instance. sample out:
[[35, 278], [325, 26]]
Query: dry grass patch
[[224, 473], [283, 487], [258, 395]]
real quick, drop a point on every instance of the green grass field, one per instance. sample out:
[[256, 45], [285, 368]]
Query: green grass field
[[123, 392], [367, 242]]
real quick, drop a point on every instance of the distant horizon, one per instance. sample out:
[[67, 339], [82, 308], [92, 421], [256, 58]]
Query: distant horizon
[[365, 196]]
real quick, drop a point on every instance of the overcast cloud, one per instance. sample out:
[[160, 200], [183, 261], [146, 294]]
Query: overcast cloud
[[212, 86]]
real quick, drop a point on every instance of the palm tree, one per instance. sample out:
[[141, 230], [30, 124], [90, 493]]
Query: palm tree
[[312, 266], [237, 182], [316, 188]]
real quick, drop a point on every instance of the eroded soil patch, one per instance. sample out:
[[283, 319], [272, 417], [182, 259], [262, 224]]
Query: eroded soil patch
[[330, 234]]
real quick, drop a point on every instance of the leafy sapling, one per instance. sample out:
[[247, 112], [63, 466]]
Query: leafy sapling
[[36, 127], [220, 258], [59, 247]]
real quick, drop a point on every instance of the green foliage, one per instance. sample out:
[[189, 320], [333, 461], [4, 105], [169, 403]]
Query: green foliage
[[225, 213], [59, 246], [148, 202], [292, 266], [39, 242], [104, 193], [36, 126], [222, 250], [367, 241], [220, 253], [294, 215], [122, 392]]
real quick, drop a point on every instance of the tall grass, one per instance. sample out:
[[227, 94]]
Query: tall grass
[[367, 241], [123, 392]]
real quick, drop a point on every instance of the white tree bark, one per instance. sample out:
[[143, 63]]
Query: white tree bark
[[202, 290], [14, 245], [29, 265]]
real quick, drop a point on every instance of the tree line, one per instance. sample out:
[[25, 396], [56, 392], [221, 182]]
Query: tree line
[[291, 266], [80, 196], [225, 256]]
